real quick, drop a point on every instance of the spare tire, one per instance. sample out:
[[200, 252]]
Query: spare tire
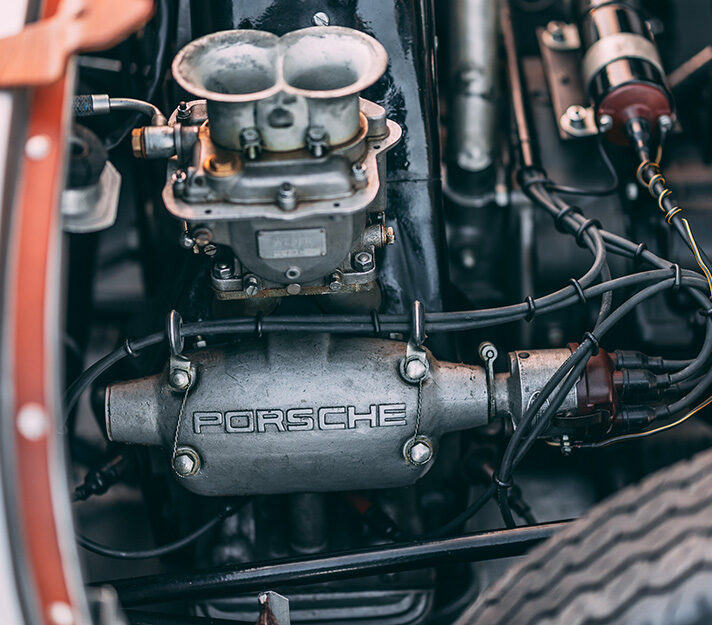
[[643, 557]]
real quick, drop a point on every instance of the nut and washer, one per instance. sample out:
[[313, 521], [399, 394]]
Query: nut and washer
[[336, 281], [317, 141], [186, 462], [251, 142], [576, 115], [223, 270], [287, 197], [363, 261], [414, 369], [418, 451], [179, 379]]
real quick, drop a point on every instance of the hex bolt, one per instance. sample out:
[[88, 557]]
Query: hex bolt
[[556, 30], [419, 451], [320, 19], [336, 281], [186, 462], [605, 122], [576, 114], [363, 261], [287, 196], [222, 270], [415, 369], [251, 284], [179, 379], [251, 142], [317, 140], [358, 173], [665, 123], [183, 111]]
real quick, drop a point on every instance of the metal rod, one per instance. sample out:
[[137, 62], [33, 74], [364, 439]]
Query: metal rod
[[525, 137], [233, 580]]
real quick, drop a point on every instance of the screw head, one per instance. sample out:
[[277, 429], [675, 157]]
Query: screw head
[[179, 379], [576, 114], [186, 241], [605, 122], [320, 19], [186, 462], [363, 261], [418, 451], [251, 284]]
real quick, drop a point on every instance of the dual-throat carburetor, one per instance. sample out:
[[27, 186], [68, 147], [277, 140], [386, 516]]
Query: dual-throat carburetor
[[278, 172]]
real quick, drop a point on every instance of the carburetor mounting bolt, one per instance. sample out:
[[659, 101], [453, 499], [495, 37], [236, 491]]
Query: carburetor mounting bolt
[[418, 451], [251, 284], [287, 196], [363, 261], [183, 111], [222, 269], [251, 142], [336, 281], [317, 141], [186, 462], [358, 173]]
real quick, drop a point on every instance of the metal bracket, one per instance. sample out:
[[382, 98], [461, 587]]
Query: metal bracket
[[274, 609], [488, 353], [181, 371], [414, 366]]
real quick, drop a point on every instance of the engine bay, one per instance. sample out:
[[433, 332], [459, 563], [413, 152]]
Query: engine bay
[[347, 279]]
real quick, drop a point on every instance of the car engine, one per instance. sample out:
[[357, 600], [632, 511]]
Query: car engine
[[350, 282]]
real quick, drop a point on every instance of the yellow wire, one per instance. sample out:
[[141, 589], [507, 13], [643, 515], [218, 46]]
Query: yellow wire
[[698, 256], [635, 435]]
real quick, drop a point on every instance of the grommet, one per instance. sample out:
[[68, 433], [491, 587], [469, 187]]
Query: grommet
[[637, 257], [585, 226], [572, 209], [594, 339], [129, 350], [579, 291], [529, 301]]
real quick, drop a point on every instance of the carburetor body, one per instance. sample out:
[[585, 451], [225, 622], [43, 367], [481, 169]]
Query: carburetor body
[[279, 171]]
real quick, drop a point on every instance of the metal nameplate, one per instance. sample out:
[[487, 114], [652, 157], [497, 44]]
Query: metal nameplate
[[299, 419], [300, 243]]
